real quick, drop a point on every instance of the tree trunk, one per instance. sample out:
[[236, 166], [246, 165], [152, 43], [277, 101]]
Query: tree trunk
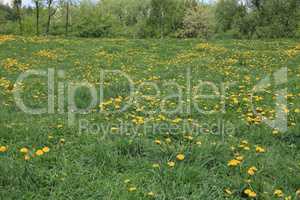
[[162, 24], [49, 16], [37, 17], [67, 18], [19, 18]]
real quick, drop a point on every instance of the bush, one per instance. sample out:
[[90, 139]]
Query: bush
[[95, 31], [198, 22]]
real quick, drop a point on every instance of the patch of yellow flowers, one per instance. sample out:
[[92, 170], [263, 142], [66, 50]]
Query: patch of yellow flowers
[[250, 193], [47, 54], [5, 38], [38, 152]]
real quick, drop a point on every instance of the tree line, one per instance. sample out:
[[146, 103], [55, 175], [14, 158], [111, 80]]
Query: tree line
[[153, 18]]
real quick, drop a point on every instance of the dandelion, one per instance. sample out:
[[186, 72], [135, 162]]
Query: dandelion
[[171, 164], [59, 126], [39, 152], [278, 193], [251, 171], [228, 191], [151, 194], [157, 142], [275, 132], [114, 129], [24, 150], [180, 157], [3, 149], [250, 193], [132, 189], [233, 163], [126, 181], [298, 192], [188, 137], [26, 157], [239, 158], [259, 149], [46, 149]]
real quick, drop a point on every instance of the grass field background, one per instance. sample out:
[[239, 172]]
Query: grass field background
[[42, 157]]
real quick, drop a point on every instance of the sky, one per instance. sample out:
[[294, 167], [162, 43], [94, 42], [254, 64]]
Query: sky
[[25, 2]]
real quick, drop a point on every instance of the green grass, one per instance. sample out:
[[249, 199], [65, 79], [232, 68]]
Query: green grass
[[95, 165]]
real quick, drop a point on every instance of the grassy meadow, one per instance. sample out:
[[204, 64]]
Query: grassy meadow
[[228, 152]]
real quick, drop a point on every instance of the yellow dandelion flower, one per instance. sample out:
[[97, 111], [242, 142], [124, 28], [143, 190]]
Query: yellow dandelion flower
[[171, 164], [126, 181], [228, 191], [3, 149], [62, 141], [251, 171], [233, 163], [151, 194], [288, 198], [59, 126], [26, 157], [180, 157], [298, 192], [132, 189], [278, 193], [275, 132], [46, 149], [245, 142], [188, 137], [240, 158], [114, 129], [157, 142], [24, 150], [259, 149], [39, 152], [250, 193]]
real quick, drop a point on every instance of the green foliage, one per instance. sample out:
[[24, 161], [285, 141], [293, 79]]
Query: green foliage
[[226, 12], [159, 18], [198, 22], [277, 18], [259, 18]]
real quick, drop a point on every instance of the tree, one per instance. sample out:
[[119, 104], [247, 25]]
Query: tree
[[226, 11], [198, 22], [165, 16], [67, 4], [18, 6], [37, 12], [51, 12]]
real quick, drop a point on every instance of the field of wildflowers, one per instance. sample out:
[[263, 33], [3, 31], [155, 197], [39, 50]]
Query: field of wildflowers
[[166, 119]]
